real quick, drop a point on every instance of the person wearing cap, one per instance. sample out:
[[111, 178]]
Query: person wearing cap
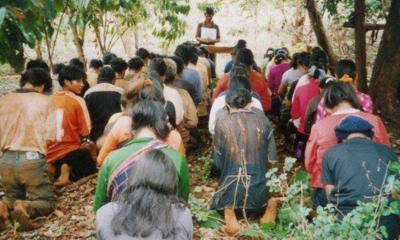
[[341, 100], [357, 169], [208, 24]]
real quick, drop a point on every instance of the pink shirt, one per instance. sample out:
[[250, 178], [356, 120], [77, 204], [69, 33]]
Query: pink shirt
[[275, 76], [323, 137], [301, 98], [364, 99]]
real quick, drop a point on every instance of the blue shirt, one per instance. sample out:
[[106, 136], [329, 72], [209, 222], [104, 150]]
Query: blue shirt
[[193, 77]]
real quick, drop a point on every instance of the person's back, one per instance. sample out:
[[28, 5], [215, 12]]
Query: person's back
[[103, 100], [73, 120]]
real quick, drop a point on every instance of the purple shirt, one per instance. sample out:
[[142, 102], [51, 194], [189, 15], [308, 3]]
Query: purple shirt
[[275, 76]]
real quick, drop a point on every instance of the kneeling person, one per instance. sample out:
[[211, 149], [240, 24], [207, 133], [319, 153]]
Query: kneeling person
[[26, 123], [66, 157], [356, 169]]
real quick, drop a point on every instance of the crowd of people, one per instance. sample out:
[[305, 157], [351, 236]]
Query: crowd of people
[[134, 122]]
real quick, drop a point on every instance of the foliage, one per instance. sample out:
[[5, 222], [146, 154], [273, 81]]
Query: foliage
[[292, 183], [23, 22], [203, 170]]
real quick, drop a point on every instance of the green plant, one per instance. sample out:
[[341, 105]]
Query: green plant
[[203, 170]]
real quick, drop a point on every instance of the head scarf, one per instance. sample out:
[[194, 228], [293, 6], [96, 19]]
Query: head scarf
[[353, 124]]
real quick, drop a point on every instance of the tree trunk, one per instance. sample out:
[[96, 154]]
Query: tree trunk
[[136, 33], [78, 42], [322, 39], [98, 37], [386, 71], [38, 49], [360, 45]]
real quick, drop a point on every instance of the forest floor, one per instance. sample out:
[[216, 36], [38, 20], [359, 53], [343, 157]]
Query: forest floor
[[74, 218]]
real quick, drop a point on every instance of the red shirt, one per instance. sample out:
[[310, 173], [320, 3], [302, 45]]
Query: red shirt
[[258, 85], [301, 98], [323, 137]]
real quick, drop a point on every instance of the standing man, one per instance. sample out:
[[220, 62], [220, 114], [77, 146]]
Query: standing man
[[27, 121], [205, 34]]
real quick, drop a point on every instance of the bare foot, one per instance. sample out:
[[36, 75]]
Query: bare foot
[[271, 211], [63, 180], [232, 227], [4, 216], [21, 216]]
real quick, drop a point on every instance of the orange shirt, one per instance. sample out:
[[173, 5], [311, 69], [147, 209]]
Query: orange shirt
[[122, 130], [73, 122]]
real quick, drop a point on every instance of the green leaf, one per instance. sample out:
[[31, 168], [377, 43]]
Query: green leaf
[[213, 220], [3, 13], [250, 233]]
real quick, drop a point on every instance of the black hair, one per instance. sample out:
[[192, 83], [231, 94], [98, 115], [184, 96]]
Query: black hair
[[293, 61], [179, 64], [70, 72], [279, 58], [301, 59], [37, 63], [142, 53], [119, 65], [316, 48], [285, 50], [158, 65], [237, 81], [205, 51], [57, 68], [241, 43], [107, 57], [238, 98], [184, 52], [106, 75], [77, 63], [36, 76], [146, 204], [346, 66], [270, 53], [244, 55], [307, 61], [326, 82], [319, 58], [240, 69], [339, 92], [135, 63], [209, 11], [194, 59], [151, 114], [95, 63]]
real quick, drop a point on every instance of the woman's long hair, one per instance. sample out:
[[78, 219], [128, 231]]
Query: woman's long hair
[[146, 205]]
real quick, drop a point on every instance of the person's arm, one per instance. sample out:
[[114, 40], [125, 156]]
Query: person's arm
[[271, 80], [190, 118], [183, 176], [84, 123], [221, 86], [328, 190], [265, 97], [380, 133], [110, 144], [100, 197], [295, 110], [272, 153], [311, 152], [282, 90], [216, 106]]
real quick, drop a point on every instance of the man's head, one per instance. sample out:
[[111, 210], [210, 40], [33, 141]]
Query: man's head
[[171, 70], [107, 57], [119, 65], [106, 75], [71, 78], [143, 54], [77, 63], [39, 63], [96, 64], [158, 66], [184, 52], [37, 77], [353, 124], [136, 64], [209, 14], [179, 64]]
